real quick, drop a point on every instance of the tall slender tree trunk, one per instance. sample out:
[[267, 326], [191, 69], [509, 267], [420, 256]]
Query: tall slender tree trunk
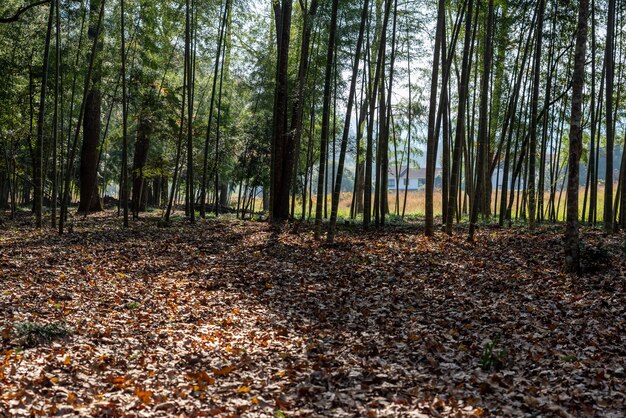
[[205, 163], [124, 185], [432, 141], [552, 67], [38, 163], [483, 130], [297, 109], [572, 241], [508, 128], [346, 126], [92, 124], [325, 120], [55, 123], [189, 64], [610, 129], [460, 125], [218, 126], [409, 124], [532, 201], [179, 150], [279, 203], [72, 149]]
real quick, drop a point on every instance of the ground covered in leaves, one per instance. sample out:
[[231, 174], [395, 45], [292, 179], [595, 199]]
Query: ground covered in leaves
[[232, 318]]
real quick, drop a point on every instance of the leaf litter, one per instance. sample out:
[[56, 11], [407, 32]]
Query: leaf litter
[[228, 318]]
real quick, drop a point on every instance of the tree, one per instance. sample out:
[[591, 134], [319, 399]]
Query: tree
[[279, 188], [124, 185], [346, 126], [483, 134], [38, 163], [431, 145], [92, 126], [455, 174], [332, 34], [610, 129], [572, 240], [205, 161], [532, 202], [74, 143]]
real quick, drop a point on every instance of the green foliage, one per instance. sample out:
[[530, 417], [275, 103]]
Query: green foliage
[[493, 357], [133, 305], [35, 333]]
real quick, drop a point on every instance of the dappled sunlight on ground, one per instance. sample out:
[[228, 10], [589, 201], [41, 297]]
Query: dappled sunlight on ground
[[230, 317]]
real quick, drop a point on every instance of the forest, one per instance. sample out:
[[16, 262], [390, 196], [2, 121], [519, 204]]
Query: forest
[[312, 208]]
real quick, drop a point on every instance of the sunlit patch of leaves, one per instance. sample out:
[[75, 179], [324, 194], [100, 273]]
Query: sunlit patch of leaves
[[35, 333]]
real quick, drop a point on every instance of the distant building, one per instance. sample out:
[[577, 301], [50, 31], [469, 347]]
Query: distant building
[[416, 180]]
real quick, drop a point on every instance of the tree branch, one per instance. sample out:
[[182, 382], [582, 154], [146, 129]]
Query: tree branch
[[21, 10]]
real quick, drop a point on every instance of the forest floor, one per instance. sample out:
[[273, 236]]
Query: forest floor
[[232, 318]]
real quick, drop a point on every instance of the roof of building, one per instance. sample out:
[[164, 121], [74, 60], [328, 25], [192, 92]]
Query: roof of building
[[414, 173]]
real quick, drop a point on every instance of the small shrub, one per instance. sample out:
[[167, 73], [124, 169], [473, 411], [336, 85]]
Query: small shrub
[[34, 333], [594, 259], [162, 223], [133, 305], [493, 357]]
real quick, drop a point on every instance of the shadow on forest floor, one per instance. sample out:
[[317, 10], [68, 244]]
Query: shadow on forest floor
[[230, 317]]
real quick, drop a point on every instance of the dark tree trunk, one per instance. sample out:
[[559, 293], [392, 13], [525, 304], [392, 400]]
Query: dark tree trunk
[[610, 129], [431, 145], [92, 124], [38, 163], [124, 182], [572, 241], [279, 188], [55, 127], [218, 55], [325, 119], [142, 144], [189, 98], [69, 172], [532, 202], [346, 127], [460, 125], [483, 130]]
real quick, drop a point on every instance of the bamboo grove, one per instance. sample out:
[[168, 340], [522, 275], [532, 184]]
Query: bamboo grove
[[503, 111]]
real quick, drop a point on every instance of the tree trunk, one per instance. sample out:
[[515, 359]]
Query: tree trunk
[[346, 126], [460, 125], [534, 104], [218, 55], [572, 241], [431, 145], [38, 163], [325, 119], [72, 149], [92, 124], [55, 127], [610, 128], [483, 130], [279, 189]]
